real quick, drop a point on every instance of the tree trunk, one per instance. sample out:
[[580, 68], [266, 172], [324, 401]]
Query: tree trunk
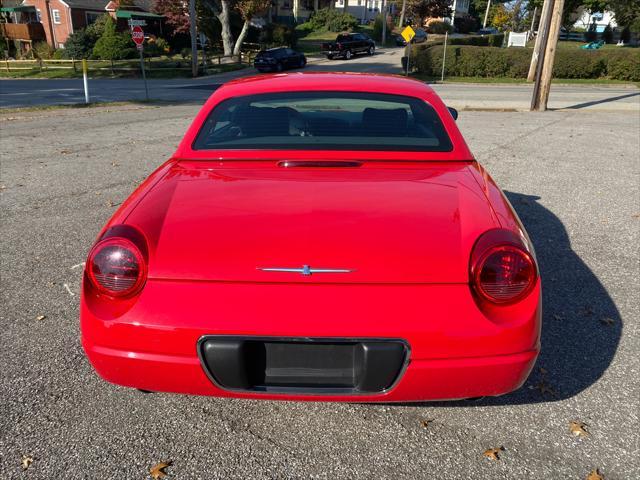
[[345, 9], [113, 73], [241, 37], [296, 10], [404, 9], [316, 5], [227, 38]]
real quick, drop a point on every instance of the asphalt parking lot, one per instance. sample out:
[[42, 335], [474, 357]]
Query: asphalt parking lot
[[572, 176]]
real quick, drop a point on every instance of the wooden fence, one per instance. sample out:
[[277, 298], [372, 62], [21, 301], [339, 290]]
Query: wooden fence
[[151, 63]]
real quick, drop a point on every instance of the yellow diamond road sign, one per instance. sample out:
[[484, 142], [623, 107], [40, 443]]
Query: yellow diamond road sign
[[408, 33]]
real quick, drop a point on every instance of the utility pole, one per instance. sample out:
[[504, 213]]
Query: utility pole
[[192, 32], [486, 14], [545, 65], [404, 9], [541, 38]]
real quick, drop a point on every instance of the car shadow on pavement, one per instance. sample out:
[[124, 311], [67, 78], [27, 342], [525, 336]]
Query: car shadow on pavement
[[581, 325]]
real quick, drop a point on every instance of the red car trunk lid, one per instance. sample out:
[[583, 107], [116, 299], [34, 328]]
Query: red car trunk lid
[[409, 223]]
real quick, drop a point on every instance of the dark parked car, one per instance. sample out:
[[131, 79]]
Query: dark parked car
[[488, 31], [279, 59], [421, 36], [348, 45]]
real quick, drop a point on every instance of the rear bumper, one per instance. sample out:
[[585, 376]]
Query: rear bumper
[[454, 349], [423, 380]]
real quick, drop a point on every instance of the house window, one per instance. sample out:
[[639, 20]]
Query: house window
[[38, 15], [56, 16], [92, 17]]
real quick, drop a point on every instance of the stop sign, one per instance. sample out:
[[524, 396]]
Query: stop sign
[[137, 34]]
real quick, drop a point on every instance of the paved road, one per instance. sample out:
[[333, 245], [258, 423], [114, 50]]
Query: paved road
[[18, 93], [572, 177]]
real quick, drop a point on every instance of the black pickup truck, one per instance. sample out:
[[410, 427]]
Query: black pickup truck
[[348, 45]]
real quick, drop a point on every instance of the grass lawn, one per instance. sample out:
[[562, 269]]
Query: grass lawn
[[521, 81], [311, 42], [156, 71]]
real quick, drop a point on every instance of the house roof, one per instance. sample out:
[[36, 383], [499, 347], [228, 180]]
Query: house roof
[[144, 5]]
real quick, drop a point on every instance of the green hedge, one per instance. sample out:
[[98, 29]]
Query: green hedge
[[479, 40], [472, 61]]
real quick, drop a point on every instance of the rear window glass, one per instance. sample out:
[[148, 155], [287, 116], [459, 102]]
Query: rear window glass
[[324, 121]]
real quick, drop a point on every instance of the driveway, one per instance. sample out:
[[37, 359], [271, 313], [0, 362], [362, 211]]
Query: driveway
[[573, 177]]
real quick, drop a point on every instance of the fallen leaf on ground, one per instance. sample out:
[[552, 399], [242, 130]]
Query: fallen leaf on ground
[[158, 470], [26, 461], [543, 387], [595, 475], [41, 317], [426, 423], [578, 429], [543, 371], [586, 311], [493, 453], [65, 152], [607, 321]]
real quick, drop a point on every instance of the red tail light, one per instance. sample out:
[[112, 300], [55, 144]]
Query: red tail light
[[502, 270], [116, 267]]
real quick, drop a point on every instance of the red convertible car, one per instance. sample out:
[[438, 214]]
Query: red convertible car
[[316, 237]]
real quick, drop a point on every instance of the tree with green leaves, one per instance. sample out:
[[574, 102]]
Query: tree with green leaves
[[113, 45], [627, 13], [248, 9], [424, 9], [81, 42]]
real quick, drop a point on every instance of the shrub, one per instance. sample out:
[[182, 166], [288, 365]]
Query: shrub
[[59, 54], [568, 64], [496, 40], [185, 53], [377, 28], [607, 34], [157, 46], [331, 19], [473, 61], [43, 50], [479, 40], [624, 65], [466, 23], [278, 34], [438, 27], [79, 44], [113, 45]]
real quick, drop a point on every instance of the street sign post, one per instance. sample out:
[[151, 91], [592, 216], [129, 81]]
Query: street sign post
[[408, 34], [137, 35]]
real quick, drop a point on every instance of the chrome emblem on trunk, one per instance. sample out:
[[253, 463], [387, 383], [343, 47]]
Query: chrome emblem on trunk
[[305, 270]]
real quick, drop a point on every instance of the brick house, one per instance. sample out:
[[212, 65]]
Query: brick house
[[60, 18]]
